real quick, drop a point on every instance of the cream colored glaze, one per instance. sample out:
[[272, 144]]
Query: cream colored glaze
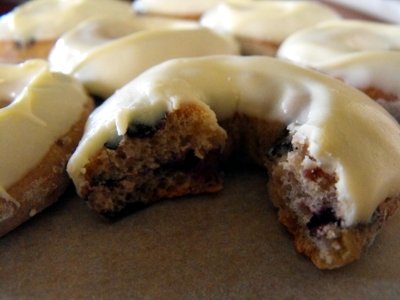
[[45, 106], [173, 7], [379, 69], [333, 118], [48, 19], [363, 54], [330, 41], [270, 21], [106, 53]]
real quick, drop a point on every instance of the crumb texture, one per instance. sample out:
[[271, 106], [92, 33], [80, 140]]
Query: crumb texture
[[183, 154]]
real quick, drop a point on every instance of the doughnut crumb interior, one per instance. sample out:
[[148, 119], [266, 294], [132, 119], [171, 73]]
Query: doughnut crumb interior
[[168, 133]]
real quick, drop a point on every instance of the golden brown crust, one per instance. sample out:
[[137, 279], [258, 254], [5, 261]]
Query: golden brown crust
[[14, 52], [44, 184]]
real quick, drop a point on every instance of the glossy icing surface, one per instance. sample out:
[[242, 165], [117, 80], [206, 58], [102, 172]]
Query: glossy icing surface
[[173, 7], [44, 107], [334, 119], [272, 21], [329, 41], [106, 53], [363, 54], [48, 19]]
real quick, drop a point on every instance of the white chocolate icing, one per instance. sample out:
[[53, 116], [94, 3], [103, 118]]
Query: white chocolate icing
[[106, 53], [327, 42], [333, 118], [363, 54], [270, 21], [44, 107], [48, 19], [176, 8]]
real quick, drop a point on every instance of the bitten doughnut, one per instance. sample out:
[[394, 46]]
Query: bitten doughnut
[[334, 172], [364, 54], [31, 29], [261, 26], [42, 117], [106, 53], [191, 10]]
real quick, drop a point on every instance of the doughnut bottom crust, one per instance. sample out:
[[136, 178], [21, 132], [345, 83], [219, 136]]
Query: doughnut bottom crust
[[43, 185], [183, 154], [189, 17], [389, 101], [251, 46], [14, 52]]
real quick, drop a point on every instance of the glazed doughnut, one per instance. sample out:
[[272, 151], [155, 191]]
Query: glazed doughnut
[[333, 173], [191, 10], [261, 26], [31, 29], [125, 48], [41, 121], [363, 54]]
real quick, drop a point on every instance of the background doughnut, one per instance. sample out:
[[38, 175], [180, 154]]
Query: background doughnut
[[106, 53], [31, 29], [261, 26], [364, 54], [191, 10], [40, 127]]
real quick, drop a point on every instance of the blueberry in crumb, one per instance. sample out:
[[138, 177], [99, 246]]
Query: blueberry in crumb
[[281, 146], [113, 142], [140, 130]]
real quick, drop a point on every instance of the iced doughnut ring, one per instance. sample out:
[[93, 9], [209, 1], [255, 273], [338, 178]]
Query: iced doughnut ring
[[106, 53], [333, 172], [363, 54], [31, 29], [41, 121], [261, 26]]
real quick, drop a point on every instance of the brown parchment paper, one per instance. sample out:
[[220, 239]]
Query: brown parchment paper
[[223, 246]]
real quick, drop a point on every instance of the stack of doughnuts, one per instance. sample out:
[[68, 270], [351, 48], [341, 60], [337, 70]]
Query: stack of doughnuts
[[364, 54], [42, 117], [31, 29]]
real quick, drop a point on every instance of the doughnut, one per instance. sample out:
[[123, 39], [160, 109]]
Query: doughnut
[[333, 171], [125, 48], [365, 55], [31, 29], [261, 26], [190, 10], [42, 118]]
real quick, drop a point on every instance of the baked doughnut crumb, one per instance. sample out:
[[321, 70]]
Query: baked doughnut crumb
[[168, 132]]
